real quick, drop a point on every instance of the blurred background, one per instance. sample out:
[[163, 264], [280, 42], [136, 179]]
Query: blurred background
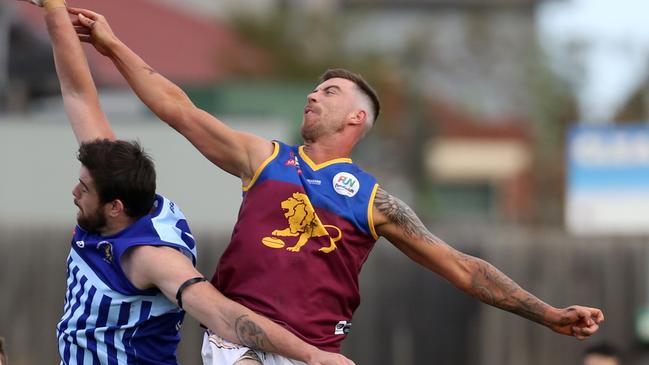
[[517, 130]]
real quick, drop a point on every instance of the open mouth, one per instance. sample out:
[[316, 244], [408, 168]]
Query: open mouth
[[309, 110]]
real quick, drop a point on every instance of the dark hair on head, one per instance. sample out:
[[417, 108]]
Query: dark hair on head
[[359, 81], [3, 355], [121, 170], [603, 348]]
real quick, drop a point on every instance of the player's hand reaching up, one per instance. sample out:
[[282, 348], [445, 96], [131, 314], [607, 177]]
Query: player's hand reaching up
[[577, 321], [94, 29]]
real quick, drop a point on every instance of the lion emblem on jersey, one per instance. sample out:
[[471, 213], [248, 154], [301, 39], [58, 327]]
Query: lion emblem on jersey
[[303, 222]]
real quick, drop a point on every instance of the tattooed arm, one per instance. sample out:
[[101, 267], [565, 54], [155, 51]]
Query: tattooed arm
[[395, 221], [166, 268], [236, 152]]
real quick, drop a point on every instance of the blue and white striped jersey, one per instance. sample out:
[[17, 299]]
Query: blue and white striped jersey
[[107, 320]]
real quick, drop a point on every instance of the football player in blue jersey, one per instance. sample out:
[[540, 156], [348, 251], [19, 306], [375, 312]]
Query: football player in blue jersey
[[337, 115], [131, 272]]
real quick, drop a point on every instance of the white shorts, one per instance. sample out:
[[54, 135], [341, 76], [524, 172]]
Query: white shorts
[[217, 351]]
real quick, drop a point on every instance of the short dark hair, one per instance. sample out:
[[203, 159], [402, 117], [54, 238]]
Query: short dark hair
[[121, 170], [359, 81], [604, 349], [3, 355]]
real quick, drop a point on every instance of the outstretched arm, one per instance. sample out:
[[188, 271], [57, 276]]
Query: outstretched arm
[[77, 86], [167, 268], [400, 225], [235, 152]]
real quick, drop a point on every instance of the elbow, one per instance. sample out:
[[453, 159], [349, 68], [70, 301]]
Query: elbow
[[463, 274], [168, 113], [174, 111]]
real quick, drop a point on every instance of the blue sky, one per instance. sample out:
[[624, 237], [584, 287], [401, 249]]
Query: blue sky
[[616, 59]]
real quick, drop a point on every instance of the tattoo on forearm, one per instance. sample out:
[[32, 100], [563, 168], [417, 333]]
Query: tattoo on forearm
[[487, 283], [403, 216], [250, 334], [493, 287], [151, 70]]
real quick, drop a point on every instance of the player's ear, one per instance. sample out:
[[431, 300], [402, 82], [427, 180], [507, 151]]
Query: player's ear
[[115, 208], [358, 117]]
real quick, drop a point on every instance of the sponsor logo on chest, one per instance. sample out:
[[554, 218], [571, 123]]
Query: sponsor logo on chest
[[107, 249], [346, 184], [293, 161]]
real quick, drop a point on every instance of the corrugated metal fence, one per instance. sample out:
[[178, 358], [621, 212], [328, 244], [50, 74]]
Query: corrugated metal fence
[[408, 315]]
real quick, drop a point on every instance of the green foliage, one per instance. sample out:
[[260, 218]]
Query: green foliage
[[302, 46]]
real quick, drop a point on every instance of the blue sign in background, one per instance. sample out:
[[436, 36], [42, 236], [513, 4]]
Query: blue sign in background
[[611, 159]]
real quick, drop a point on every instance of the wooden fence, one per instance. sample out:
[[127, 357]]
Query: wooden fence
[[407, 316]]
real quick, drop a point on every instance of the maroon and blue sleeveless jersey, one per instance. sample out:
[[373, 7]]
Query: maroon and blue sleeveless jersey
[[106, 319], [303, 233]]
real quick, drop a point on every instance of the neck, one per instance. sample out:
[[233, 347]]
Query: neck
[[114, 226], [325, 150]]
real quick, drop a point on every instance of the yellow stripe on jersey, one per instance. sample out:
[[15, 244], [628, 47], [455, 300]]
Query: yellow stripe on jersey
[[314, 166], [370, 215], [262, 166]]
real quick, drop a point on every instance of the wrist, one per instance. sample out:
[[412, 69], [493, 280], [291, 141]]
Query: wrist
[[310, 354], [551, 316], [113, 46], [53, 4]]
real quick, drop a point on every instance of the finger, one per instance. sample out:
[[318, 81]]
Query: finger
[[599, 316], [76, 21], [583, 314], [87, 22], [590, 330], [82, 30], [87, 13], [585, 331], [85, 38], [576, 331]]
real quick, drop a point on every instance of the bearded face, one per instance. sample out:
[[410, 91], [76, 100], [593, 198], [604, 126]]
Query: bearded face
[[92, 221], [91, 216], [327, 108]]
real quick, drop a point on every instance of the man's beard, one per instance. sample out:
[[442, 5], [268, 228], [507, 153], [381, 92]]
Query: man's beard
[[313, 132], [92, 223]]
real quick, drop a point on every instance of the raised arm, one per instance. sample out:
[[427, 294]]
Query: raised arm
[[77, 86], [235, 152], [166, 269], [400, 225]]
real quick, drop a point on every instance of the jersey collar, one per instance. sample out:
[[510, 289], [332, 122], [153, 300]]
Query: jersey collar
[[314, 166]]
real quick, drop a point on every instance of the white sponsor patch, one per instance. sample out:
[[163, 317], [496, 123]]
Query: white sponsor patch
[[343, 328], [346, 184]]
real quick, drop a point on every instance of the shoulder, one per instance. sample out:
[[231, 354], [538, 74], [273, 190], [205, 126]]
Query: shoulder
[[164, 205], [166, 225], [352, 175], [165, 214]]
